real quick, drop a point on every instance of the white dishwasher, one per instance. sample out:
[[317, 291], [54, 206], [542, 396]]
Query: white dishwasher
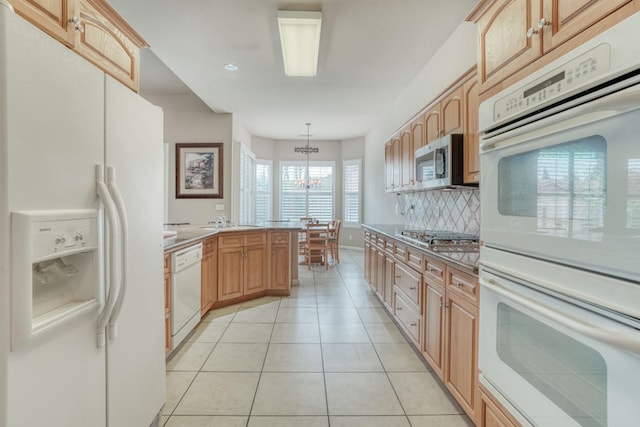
[[185, 292]]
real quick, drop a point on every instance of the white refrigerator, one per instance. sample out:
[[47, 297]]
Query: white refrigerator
[[60, 117]]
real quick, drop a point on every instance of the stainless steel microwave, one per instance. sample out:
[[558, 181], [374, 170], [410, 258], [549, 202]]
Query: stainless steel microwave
[[439, 164]]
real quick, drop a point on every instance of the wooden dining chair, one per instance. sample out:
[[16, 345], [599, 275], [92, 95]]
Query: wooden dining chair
[[316, 248], [334, 239]]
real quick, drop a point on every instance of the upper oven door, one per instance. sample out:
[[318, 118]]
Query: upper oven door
[[557, 364], [567, 188]]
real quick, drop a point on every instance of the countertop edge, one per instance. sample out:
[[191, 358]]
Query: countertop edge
[[390, 230], [175, 243]]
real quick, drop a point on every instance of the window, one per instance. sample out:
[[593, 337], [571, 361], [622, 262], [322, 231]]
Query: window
[[264, 183], [351, 190], [247, 186], [295, 201]]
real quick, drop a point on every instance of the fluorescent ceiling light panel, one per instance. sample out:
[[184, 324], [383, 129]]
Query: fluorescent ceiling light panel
[[300, 41]]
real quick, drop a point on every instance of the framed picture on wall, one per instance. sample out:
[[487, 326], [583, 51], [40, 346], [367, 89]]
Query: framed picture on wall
[[199, 170]]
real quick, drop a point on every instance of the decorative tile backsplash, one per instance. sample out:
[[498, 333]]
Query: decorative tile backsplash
[[452, 210]]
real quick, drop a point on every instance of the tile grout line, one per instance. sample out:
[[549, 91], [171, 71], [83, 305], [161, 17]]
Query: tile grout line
[[324, 376]]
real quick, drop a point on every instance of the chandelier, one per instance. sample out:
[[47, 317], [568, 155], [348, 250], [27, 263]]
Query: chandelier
[[307, 182]]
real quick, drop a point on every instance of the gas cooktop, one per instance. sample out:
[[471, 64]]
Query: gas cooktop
[[441, 240]]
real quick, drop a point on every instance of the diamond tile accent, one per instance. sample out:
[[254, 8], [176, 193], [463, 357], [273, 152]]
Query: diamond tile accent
[[456, 210]]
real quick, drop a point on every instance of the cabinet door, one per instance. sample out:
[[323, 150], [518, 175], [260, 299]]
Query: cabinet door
[[230, 272], [566, 18], [205, 290], [503, 45], [280, 279], [406, 162], [167, 312], [389, 273], [471, 140], [397, 162], [432, 348], [106, 45], [51, 16], [255, 269], [380, 276], [492, 414], [367, 262], [417, 133], [388, 166], [451, 109], [432, 124], [461, 376]]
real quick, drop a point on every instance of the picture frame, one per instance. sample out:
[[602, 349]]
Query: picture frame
[[199, 170]]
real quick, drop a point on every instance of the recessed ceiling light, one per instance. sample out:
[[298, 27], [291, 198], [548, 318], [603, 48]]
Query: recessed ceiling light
[[231, 67]]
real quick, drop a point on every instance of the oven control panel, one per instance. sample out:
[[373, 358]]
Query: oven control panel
[[561, 80]]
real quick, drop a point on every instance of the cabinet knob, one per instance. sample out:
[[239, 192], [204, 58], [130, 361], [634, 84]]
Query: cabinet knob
[[543, 23], [531, 32], [412, 287], [77, 25], [413, 324]]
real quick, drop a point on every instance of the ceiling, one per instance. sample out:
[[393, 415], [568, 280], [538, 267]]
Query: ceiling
[[370, 50]]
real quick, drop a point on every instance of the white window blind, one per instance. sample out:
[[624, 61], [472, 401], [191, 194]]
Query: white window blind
[[264, 184], [247, 186], [296, 202], [351, 190]]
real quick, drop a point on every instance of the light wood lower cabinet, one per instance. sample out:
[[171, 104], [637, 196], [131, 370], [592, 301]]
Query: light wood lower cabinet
[[437, 307], [242, 265], [492, 414], [280, 262], [209, 282]]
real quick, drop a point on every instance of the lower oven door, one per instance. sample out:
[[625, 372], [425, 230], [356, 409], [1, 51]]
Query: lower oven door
[[555, 363]]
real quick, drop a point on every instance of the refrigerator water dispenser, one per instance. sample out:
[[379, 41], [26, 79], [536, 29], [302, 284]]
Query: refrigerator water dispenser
[[54, 274]]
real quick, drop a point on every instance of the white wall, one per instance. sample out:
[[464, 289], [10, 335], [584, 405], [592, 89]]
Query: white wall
[[187, 119], [456, 56]]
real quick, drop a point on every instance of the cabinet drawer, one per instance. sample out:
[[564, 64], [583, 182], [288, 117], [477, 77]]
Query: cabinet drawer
[[414, 258], [463, 284], [279, 237], [408, 318], [255, 239], [433, 270], [380, 242], [367, 236], [409, 282], [230, 241], [400, 252], [209, 246], [388, 247]]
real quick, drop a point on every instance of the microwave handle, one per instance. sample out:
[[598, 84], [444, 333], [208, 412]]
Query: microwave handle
[[617, 339]]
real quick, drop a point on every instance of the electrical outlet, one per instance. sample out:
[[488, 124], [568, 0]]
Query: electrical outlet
[[219, 207], [350, 237]]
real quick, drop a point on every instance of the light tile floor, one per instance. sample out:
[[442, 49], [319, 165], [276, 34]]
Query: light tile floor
[[328, 355]]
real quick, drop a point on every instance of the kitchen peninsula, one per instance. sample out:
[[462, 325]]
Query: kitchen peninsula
[[239, 263]]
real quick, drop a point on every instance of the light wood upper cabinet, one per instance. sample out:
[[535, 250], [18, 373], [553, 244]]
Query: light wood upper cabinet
[[513, 35], [432, 124], [418, 137], [388, 166], [407, 156], [51, 16], [566, 18], [109, 43], [396, 148], [503, 44], [471, 140], [94, 30], [451, 110]]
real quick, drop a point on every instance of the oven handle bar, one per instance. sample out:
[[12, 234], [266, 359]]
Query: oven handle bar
[[612, 105], [618, 339]]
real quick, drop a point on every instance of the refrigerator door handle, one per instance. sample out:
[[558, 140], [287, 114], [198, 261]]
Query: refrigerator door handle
[[124, 241], [109, 207]]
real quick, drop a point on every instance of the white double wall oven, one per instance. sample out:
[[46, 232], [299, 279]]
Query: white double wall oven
[[560, 221]]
